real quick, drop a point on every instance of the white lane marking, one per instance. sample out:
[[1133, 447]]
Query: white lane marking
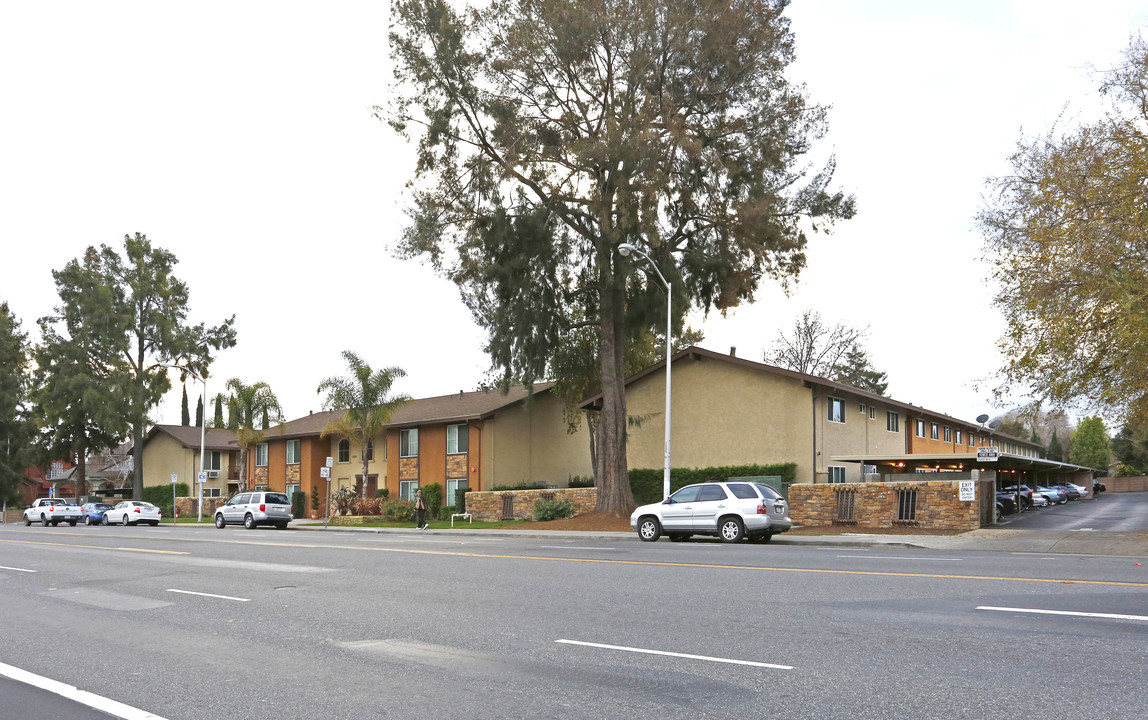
[[5, 567], [103, 704], [1111, 616], [221, 597], [574, 547], [894, 557], [674, 654]]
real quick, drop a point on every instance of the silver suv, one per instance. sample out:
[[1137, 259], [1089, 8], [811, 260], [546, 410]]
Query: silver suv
[[730, 510], [255, 508]]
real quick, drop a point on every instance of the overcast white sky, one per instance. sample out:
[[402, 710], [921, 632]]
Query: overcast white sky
[[239, 136]]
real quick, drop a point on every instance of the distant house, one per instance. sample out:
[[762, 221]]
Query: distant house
[[463, 440], [174, 449], [52, 480]]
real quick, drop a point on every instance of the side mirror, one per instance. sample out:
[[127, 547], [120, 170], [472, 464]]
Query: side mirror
[[667, 501], [27, 507]]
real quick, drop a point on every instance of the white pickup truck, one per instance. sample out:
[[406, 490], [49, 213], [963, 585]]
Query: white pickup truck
[[52, 510]]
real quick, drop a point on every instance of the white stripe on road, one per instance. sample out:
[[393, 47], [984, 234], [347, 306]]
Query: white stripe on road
[[893, 557], [674, 654], [1111, 616], [5, 567], [574, 547], [221, 597], [103, 704]]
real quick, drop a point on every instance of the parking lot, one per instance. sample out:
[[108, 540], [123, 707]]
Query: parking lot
[[1115, 512]]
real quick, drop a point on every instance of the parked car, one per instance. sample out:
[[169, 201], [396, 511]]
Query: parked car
[[1054, 496], [1079, 488], [1040, 500], [1007, 501], [253, 509], [1098, 487], [729, 510], [93, 513], [132, 512], [52, 511], [1069, 491], [1025, 495]]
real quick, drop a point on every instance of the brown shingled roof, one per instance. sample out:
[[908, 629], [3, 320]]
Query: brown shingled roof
[[188, 436]]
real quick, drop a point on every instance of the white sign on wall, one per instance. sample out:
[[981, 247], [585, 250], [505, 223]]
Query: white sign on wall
[[988, 453], [968, 490]]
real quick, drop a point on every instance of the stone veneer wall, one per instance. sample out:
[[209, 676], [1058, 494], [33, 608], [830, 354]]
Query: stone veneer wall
[[1125, 484], [488, 506], [189, 506], [875, 504]]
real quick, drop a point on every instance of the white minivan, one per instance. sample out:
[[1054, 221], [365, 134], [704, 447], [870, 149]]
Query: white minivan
[[252, 509]]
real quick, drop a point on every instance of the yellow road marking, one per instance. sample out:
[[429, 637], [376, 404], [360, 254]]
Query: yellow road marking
[[600, 561], [96, 547]]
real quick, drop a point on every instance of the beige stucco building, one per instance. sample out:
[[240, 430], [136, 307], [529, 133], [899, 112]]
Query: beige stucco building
[[174, 449]]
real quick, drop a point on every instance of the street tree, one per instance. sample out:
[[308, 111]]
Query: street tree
[[184, 409], [367, 404], [857, 369], [1065, 233], [247, 405], [149, 311], [813, 347], [1130, 449], [217, 419], [550, 132], [1091, 445], [1055, 451], [16, 432]]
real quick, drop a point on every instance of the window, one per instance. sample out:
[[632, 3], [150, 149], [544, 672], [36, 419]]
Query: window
[[409, 443], [293, 452], [742, 491], [958, 437], [836, 410], [836, 473], [261, 455], [292, 488], [369, 451], [934, 431], [710, 493], [920, 428], [948, 434], [457, 439], [211, 492], [872, 413], [686, 494], [862, 408], [407, 489], [893, 421], [211, 460], [452, 488], [344, 450], [972, 439]]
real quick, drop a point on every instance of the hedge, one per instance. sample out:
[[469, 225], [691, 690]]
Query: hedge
[[646, 483], [160, 496]]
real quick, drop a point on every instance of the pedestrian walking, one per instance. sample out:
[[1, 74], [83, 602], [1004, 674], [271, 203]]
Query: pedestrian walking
[[420, 510]]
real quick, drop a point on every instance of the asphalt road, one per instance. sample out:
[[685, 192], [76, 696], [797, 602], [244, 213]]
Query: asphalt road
[[1107, 512], [199, 623]]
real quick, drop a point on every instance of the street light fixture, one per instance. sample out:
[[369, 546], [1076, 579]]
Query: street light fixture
[[624, 250], [202, 434]]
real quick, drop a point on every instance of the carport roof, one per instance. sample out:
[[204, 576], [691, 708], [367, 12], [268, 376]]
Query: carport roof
[[1006, 461]]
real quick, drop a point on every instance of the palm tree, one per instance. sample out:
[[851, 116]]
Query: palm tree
[[365, 396], [248, 402]]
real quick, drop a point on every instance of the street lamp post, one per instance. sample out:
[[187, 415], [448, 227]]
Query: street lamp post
[[202, 437], [624, 250]]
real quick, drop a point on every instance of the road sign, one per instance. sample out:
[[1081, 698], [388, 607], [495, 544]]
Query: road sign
[[988, 453], [325, 472], [968, 490], [202, 477], [174, 478], [330, 461]]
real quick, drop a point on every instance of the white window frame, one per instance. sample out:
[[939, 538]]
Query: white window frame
[[839, 405], [452, 485], [452, 439], [948, 434], [212, 492], [872, 412], [892, 419], [212, 460], [405, 443], [959, 440], [836, 470], [920, 428], [861, 406], [260, 454], [934, 431], [289, 491], [407, 490], [293, 451]]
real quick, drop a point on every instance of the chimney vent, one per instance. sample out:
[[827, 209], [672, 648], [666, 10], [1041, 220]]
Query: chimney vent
[[733, 350]]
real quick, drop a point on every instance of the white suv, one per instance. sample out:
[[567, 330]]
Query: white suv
[[730, 510], [252, 509]]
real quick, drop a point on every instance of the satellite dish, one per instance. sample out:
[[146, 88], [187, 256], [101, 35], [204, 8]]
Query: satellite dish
[[994, 424], [982, 418]]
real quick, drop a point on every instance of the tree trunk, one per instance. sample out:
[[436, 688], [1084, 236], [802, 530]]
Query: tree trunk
[[614, 495], [81, 470], [363, 454], [243, 468]]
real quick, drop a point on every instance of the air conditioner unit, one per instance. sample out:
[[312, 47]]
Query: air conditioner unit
[[212, 473]]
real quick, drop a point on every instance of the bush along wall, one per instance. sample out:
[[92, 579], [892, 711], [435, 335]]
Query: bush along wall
[[646, 483], [160, 496]]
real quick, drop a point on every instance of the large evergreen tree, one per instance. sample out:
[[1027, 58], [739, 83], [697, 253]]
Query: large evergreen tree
[[1130, 448], [1055, 451], [15, 430], [1091, 446], [551, 132], [184, 410]]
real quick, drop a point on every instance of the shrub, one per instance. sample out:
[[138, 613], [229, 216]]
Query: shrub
[[315, 498], [396, 510], [160, 496], [523, 485], [646, 483], [432, 494], [383, 493], [365, 506], [580, 482], [552, 510], [460, 498], [298, 503], [343, 499]]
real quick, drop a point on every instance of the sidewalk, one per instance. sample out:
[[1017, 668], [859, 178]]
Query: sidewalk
[[983, 540]]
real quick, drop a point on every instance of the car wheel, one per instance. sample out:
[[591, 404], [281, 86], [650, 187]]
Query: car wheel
[[44, 519], [649, 529], [281, 525], [154, 523], [27, 521], [679, 537], [249, 521], [761, 539], [219, 521], [72, 523], [732, 529]]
